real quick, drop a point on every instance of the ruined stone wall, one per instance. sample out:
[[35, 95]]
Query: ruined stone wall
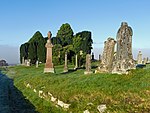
[[107, 56], [124, 58]]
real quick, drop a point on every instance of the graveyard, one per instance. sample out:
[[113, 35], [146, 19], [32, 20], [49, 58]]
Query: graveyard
[[56, 75], [120, 93]]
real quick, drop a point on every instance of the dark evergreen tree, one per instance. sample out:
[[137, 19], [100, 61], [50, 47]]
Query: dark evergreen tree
[[39, 45], [32, 52], [56, 40], [86, 40], [65, 33], [24, 51], [41, 51]]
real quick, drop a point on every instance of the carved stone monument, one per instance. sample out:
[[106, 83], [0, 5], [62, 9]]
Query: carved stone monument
[[139, 58], [49, 65], [107, 56], [124, 59], [65, 66], [88, 64]]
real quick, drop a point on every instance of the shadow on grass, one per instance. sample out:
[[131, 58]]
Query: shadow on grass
[[11, 99], [69, 71]]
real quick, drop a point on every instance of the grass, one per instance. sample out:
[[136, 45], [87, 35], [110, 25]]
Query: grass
[[120, 93]]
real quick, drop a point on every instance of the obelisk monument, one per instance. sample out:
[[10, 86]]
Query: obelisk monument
[[49, 65]]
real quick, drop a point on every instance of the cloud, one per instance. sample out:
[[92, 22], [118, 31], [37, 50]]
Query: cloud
[[10, 54]]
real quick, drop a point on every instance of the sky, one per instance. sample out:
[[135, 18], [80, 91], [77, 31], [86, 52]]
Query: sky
[[20, 19]]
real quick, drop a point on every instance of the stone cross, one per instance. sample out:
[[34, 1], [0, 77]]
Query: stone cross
[[88, 64], [124, 58], [139, 58], [49, 65], [65, 66], [107, 56]]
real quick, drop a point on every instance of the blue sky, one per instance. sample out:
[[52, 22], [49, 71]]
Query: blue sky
[[20, 19]]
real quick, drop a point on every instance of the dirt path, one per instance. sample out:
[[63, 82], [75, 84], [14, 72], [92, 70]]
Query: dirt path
[[11, 99]]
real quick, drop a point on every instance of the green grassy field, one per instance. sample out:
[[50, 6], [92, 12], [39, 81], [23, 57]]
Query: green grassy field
[[121, 93]]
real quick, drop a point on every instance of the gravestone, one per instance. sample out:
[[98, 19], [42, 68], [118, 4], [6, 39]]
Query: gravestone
[[107, 56], [88, 64], [124, 59], [65, 66], [139, 58], [49, 65], [145, 60], [37, 64], [28, 62], [76, 62], [23, 61]]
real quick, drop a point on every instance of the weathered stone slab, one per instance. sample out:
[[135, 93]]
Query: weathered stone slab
[[124, 58], [88, 64], [107, 56]]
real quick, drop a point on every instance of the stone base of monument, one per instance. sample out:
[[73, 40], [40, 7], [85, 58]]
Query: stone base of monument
[[87, 72], [65, 71], [49, 70], [101, 70], [120, 72]]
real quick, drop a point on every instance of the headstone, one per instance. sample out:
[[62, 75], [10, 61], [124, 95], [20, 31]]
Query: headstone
[[28, 62], [107, 56], [65, 66], [23, 61], [37, 64], [49, 65], [139, 58], [124, 59], [76, 62], [148, 61], [88, 64], [145, 61]]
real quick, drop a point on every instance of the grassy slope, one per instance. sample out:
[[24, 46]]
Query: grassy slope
[[120, 93]]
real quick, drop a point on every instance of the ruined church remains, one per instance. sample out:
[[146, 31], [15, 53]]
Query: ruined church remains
[[121, 60]]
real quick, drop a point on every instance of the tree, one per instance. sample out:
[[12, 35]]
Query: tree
[[41, 51], [38, 43], [86, 41], [24, 51], [56, 40], [65, 33], [77, 42], [32, 52], [36, 37]]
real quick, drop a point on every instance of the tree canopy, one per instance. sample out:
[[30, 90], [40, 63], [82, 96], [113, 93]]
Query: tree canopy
[[65, 33], [64, 41]]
